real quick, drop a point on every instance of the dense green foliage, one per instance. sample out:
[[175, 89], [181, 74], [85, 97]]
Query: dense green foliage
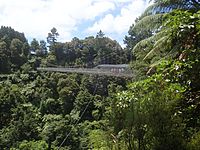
[[88, 52], [38, 109], [13, 49], [160, 110], [44, 107], [157, 110]]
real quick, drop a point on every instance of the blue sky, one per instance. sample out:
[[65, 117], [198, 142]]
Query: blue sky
[[72, 18]]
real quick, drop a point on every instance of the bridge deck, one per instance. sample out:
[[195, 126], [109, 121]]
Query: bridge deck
[[88, 71]]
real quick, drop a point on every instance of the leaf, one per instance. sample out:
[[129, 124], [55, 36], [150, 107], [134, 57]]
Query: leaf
[[160, 44], [151, 22]]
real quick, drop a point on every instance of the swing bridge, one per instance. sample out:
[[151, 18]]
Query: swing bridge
[[119, 70]]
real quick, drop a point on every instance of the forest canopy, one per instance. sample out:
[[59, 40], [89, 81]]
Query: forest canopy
[[158, 109]]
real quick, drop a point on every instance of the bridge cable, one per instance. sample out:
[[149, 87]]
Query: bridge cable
[[80, 117]]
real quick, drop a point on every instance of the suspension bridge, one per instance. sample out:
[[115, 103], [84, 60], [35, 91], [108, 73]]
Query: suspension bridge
[[120, 70]]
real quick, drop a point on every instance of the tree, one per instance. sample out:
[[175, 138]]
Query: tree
[[26, 49], [52, 36], [43, 47], [146, 36], [16, 53], [34, 145], [13, 50], [134, 37], [151, 18], [185, 28], [169, 97], [16, 47], [34, 45], [10, 34], [100, 34], [4, 58], [150, 22], [67, 89], [145, 115]]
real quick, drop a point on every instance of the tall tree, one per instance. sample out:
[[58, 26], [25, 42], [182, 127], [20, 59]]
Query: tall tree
[[146, 36], [26, 49], [42, 51], [100, 34], [52, 36], [11, 34], [150, 21], [34, 45], [16, 53], [4, 58]]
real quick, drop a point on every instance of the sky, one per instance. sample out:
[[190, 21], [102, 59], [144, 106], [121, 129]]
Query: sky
[[71, 18]]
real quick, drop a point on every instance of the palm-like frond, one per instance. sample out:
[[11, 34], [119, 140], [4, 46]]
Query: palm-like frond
[[149, 41], [149, 23], [152, 50], [165, 6], [152, 10], [153, 14], [151, 19], [162, 43]]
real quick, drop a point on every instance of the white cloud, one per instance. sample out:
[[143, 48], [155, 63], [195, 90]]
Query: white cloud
[[121, 22], [36, 17], [98, 8]]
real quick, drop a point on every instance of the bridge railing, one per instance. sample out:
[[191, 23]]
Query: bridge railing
[[116, 72]]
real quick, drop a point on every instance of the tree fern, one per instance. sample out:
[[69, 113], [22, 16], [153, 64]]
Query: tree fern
[[151, 19], [150, 22], [163, 6], [162, 43], [146, 44]]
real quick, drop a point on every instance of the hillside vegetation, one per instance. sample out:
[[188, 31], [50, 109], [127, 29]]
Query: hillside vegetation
[[159, 109]]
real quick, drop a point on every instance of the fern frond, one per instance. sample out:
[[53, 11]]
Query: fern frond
[[159, 44], [156, 63], [149, 40], [150, 10], [151, 22], [166, 6]]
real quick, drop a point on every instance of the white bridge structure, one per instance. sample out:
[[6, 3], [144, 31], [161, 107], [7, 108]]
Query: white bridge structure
[[120, 70]]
